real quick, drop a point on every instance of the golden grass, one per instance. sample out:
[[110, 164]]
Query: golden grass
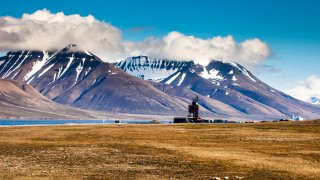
[[287, 150]]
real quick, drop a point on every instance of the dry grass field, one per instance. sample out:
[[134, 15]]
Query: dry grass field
[[283, 150]]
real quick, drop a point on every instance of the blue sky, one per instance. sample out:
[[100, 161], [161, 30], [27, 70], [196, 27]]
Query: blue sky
[[290, 28]]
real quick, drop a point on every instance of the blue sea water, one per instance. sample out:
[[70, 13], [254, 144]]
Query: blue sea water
[[9, 122]]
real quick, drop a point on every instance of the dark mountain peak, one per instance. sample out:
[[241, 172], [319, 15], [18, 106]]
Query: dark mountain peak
[[228, 70], [76, 49], [72, 48], [152, 68], [137, 58]]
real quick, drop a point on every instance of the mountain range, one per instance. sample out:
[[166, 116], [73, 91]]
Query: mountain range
[[78, 78], [223, 87], [142, 85]]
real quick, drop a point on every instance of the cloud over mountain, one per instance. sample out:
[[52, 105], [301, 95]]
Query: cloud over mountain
[[306, 89], [182, 47], [43, 30]]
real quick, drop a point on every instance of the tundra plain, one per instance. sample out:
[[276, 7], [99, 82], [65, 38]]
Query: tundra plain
[[281, 150]]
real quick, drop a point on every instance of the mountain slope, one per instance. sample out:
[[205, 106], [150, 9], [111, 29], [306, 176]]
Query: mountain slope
[[20, 100], [78, 78], [231, 84]]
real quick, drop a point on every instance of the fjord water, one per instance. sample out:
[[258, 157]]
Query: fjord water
[[9, 122]]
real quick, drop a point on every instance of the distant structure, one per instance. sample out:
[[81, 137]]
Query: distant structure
[[193, 110], [297, 118], [193, 116]]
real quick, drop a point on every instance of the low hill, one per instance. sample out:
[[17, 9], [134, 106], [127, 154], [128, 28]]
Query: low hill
[[19, 100]]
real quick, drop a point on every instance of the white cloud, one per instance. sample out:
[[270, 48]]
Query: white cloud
[[179, 46], [306, 89], [46, 30]]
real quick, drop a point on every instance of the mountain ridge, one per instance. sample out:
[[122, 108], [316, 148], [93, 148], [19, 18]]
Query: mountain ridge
[[81, 79], [76, 77], [231, 84]]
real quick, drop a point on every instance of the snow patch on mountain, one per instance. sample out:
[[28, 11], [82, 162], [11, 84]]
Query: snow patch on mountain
[[67, 67], [315, 100], [213, 74], [37, 66], [45, 70], [243, 70], [234, 78], [78, 70], [151, 68], [173, 78], [182, 78], [15, 74], [15, 67], [29, 81]]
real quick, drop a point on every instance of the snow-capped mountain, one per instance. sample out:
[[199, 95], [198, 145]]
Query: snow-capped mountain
[[77, 77], [152, 68], [221, 86], [315, 100]]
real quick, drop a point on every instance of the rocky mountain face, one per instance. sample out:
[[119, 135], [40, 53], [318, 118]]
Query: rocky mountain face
[[76, 77], [224, 88]]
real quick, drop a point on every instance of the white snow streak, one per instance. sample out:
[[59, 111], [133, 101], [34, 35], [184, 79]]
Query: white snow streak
[[16, 67], [29, 81], [244, 71], [8, 62], [37, 66], [214, 91], [44, 71], [182, 78], [87, 52], [15, 74], [173, 78], [94, 82], [79, 70], [234, 78], [68, 66]]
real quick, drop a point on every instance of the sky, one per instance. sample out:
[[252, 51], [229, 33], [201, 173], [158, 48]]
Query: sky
[[278, 40]]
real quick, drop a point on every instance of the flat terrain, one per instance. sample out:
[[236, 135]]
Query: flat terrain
[[286, 150]]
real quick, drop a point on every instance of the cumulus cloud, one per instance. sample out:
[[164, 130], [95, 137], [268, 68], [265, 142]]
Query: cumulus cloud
[[306, 89], [43, 30], [180, 46]]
